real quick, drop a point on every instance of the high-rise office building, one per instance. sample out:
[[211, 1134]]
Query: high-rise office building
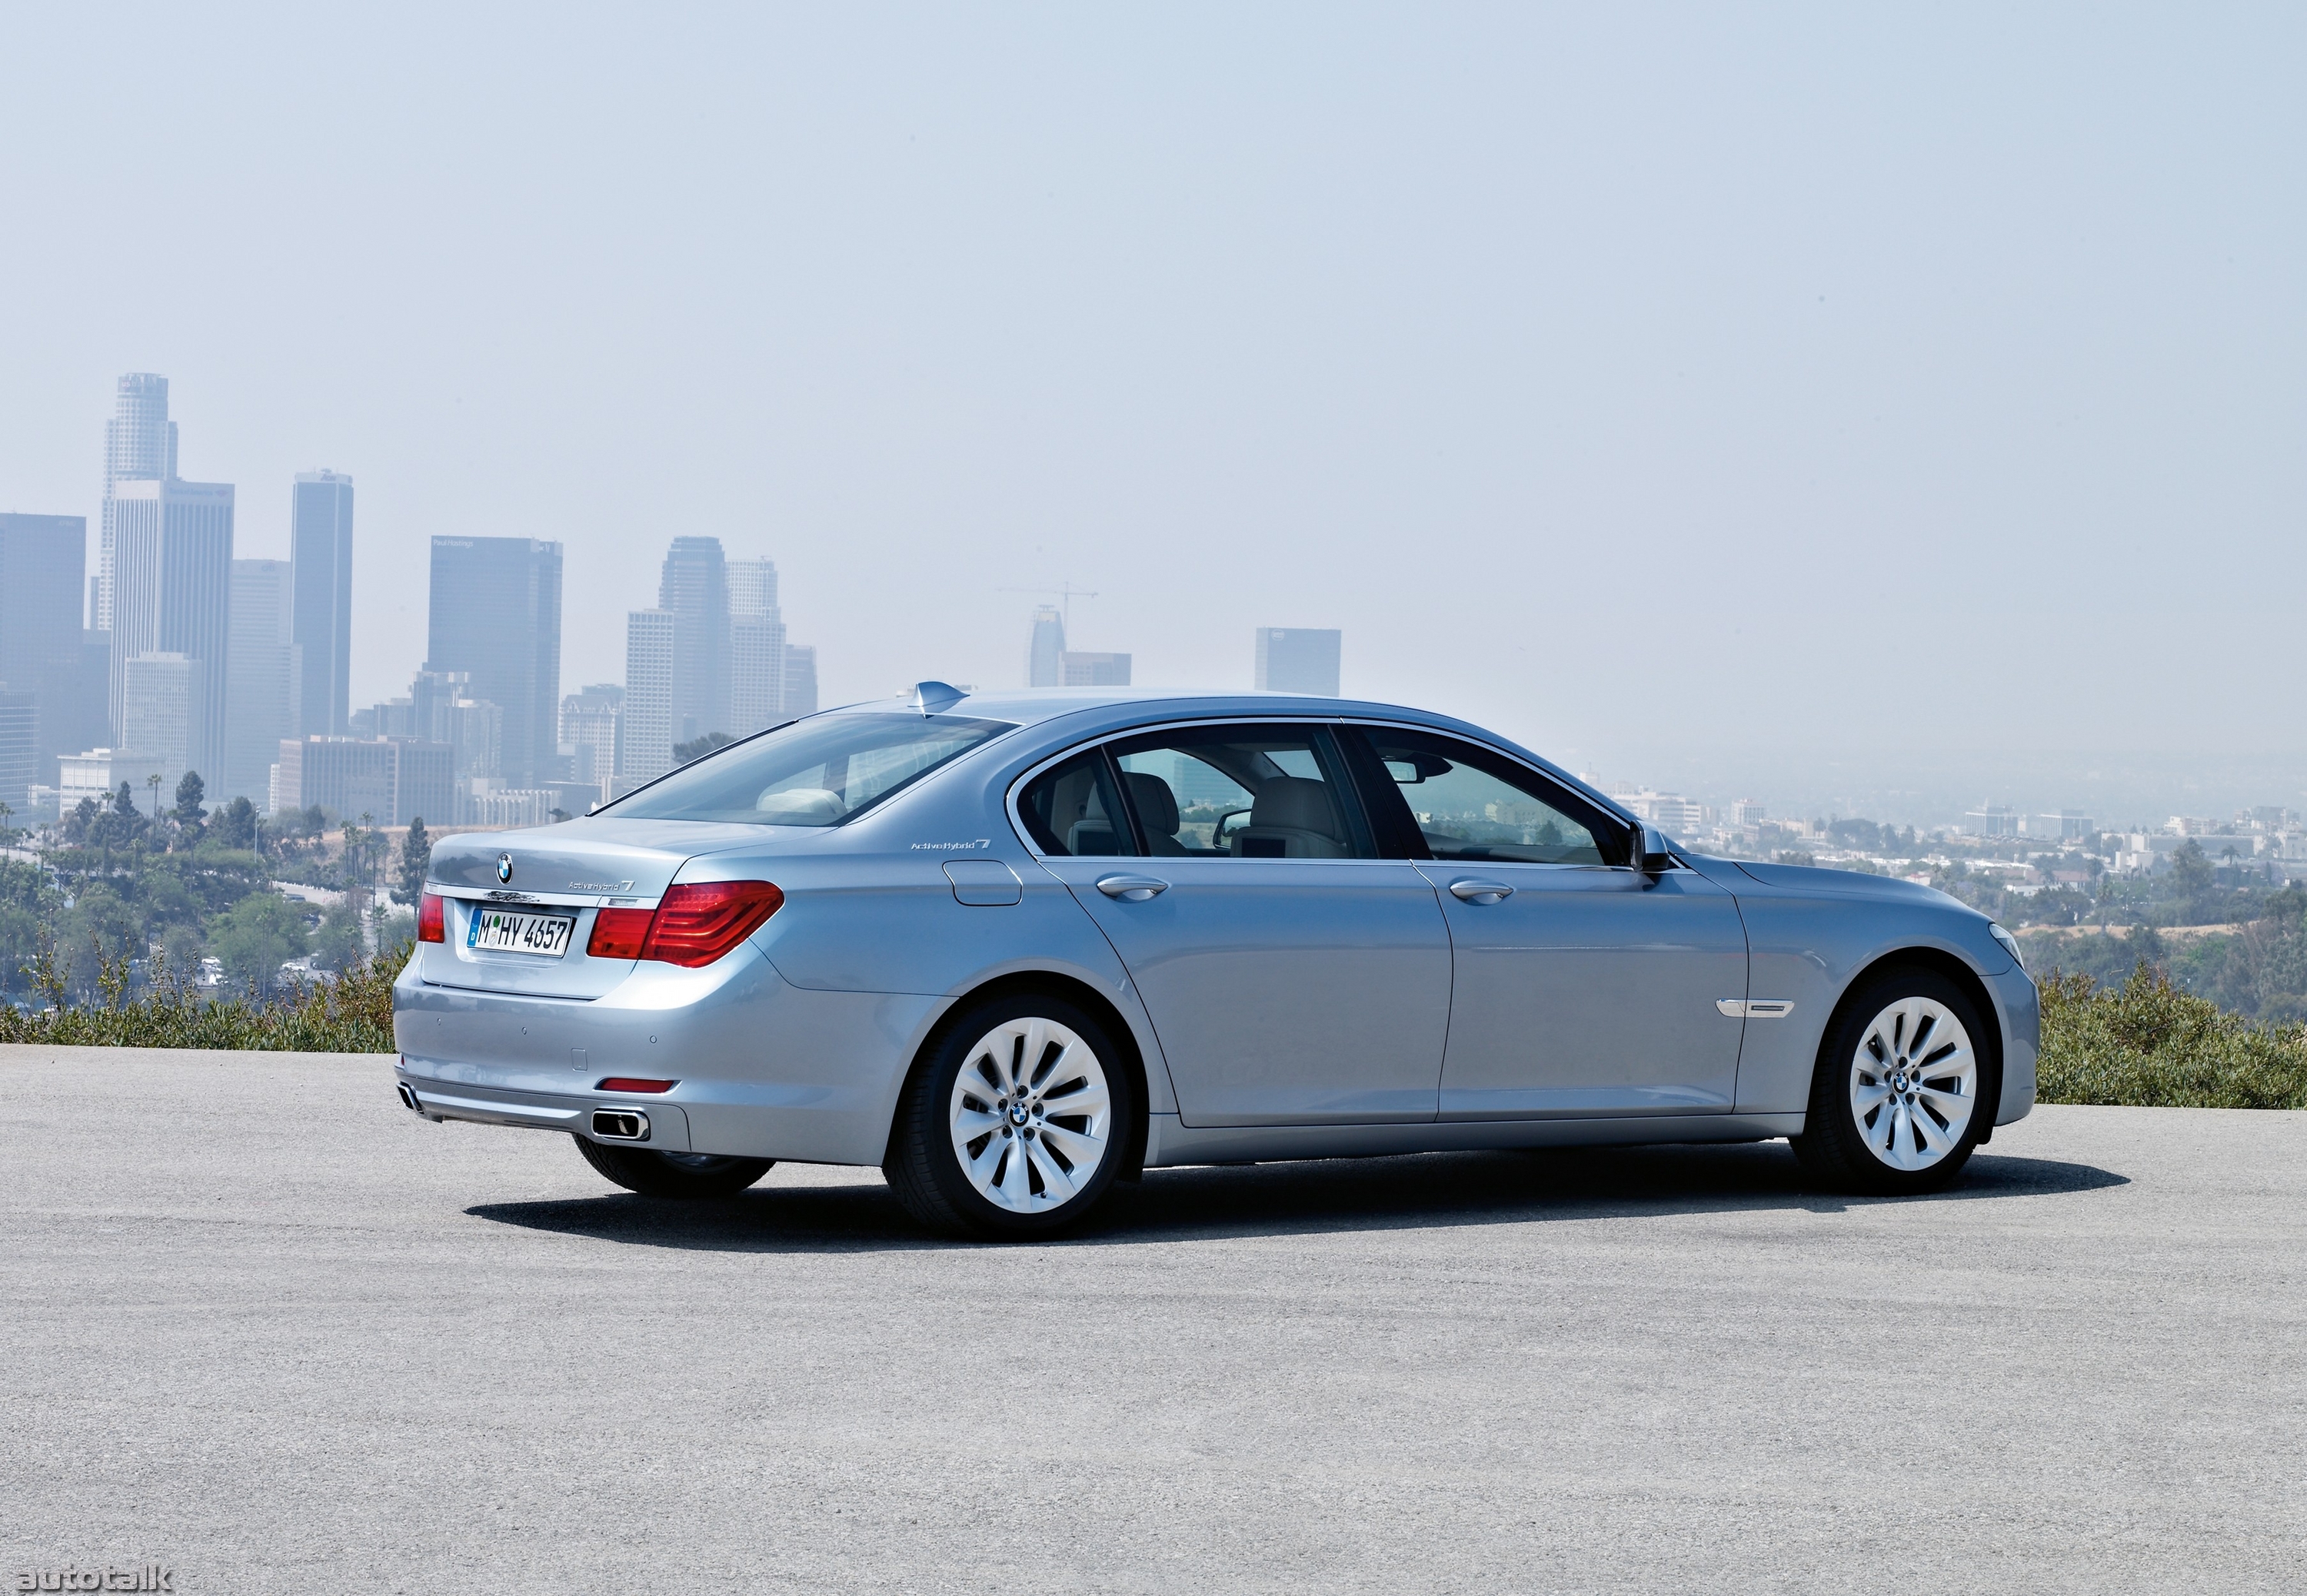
[[1045, 651], [391, 781], [262, 681], [801, 680], [20, 752], [646, 748], [694, 588], [140, 445], [495, 615], [161, 717], [757, 648], [1297, 660], [1093, 670], [321, 551], [172, 594], [42, 560], [590, 721]]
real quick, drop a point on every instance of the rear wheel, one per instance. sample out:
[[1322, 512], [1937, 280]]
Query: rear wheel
[[1013, 1125], [672, 1174], [1896, 1105]]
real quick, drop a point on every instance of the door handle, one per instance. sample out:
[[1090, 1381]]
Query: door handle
[[1478, 892], [1131, 889]]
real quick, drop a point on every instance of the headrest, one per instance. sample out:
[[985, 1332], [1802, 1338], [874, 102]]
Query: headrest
[[1296, 803], [1157, 806]]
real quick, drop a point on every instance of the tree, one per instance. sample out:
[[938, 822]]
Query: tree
[[257, 936], [2191, 874], [341, 941], [416, 861], [235, 824], [697, 747], [190, 791]]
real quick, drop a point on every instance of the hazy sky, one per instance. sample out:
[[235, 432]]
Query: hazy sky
[[1811, 401]]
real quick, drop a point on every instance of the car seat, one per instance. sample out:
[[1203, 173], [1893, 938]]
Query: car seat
[[1292, 817]]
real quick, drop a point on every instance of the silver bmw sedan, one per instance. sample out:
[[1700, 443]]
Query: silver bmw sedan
[[1013, 947]]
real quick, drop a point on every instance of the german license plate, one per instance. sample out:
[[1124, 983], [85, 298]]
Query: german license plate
[[509, 931]]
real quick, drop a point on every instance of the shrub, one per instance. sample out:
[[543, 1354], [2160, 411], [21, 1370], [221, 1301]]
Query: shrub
[[352, 1014], [2147, 1043]]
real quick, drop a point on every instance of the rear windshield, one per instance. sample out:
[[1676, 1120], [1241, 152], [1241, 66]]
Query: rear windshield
[[817, 771]]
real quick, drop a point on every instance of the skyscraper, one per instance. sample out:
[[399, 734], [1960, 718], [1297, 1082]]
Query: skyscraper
[[320, 554], [161, 721], [1094, 670], [694, 589], [1297, 660], [263, 682], [1045, 653], [757, 648], [801, 680], [645, 751], [172, 594], [140, 445], [590, 721], [42, 560], [495, 614]]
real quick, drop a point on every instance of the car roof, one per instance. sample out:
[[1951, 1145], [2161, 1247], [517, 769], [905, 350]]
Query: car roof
[[1028, 706]]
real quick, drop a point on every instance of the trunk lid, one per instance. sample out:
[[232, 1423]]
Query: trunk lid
[[573, 869]]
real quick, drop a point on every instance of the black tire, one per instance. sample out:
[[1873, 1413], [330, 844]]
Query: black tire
[[1844, 1149], [654, 1173], [925, 1167]]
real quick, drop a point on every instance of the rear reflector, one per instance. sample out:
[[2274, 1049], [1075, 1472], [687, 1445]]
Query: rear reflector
[[431, 919], [629, 1083]]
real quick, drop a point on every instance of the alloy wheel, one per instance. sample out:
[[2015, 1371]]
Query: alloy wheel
[[1031, 1114], [1914, 1083]]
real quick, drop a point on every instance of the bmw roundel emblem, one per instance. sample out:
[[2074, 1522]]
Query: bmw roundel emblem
[[504, 867]]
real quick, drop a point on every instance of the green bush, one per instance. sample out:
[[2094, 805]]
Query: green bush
[[2147, 1043], [351, 1014]]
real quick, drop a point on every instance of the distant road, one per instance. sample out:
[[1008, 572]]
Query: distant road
[[265, 1327]]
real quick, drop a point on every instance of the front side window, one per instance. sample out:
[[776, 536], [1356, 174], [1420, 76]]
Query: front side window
[[1242, 791], [819, 771], [1470, 803]]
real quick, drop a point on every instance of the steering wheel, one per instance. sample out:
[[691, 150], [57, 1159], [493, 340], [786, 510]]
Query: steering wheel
[[1217, 832]]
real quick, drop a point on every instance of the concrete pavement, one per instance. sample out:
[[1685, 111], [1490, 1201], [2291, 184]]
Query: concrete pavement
[[267, 1328]]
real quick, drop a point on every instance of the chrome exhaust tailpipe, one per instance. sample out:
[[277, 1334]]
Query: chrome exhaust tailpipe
[[620, 1125], [409, 1098]]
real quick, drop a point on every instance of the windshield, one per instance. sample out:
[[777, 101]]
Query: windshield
[[817, 771]]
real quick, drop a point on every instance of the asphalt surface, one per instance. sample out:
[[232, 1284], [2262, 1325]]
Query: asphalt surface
[[266, 1328]]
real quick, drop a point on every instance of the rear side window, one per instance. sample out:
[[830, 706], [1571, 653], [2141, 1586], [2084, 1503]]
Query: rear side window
[[1071, 811], [816, 773], [1230, 790]]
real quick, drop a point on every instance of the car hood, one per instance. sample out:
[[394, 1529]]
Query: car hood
[[1842, 883]]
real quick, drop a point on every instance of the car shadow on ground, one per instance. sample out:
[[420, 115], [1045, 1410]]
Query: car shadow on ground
[[1299, 1198]]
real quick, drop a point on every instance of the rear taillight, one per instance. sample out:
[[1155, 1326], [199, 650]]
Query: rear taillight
[[431, 919], [696, 923], [633, 1083], [691, 925], [618, 933]]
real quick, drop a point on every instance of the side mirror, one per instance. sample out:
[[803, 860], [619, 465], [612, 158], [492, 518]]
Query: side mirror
[[1652, 857]]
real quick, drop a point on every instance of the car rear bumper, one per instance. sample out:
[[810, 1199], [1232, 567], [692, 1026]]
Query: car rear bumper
[[762, 1068]]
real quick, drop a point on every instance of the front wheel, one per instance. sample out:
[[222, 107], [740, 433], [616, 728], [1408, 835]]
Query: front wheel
[[1012, 1126], [672, 1174], [1895, 1107]]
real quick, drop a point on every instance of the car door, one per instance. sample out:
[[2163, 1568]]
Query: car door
[[1581, 988], [1292, 975]]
